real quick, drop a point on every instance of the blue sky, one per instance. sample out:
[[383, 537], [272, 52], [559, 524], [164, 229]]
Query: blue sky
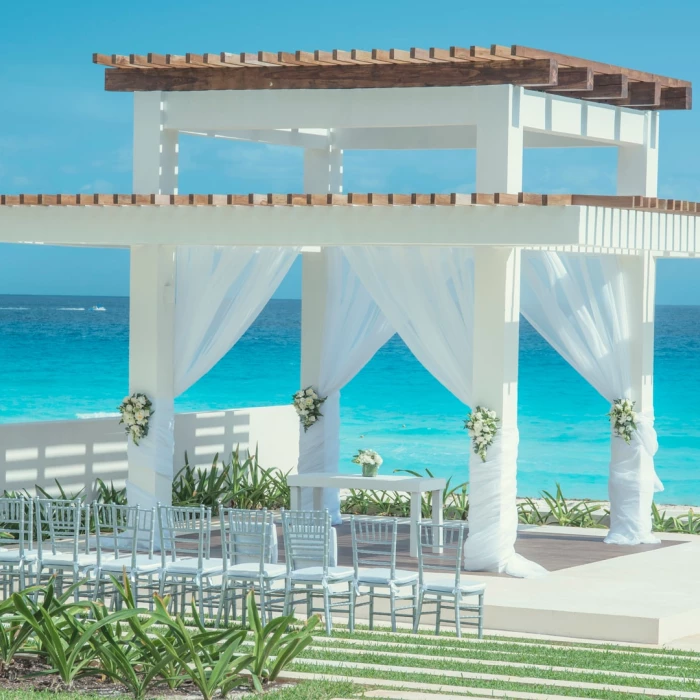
[[60, 132]]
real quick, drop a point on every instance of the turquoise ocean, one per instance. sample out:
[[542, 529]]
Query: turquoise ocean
[[61, 361]]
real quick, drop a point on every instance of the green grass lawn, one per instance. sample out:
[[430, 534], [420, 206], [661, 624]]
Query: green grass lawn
[[524, 665]]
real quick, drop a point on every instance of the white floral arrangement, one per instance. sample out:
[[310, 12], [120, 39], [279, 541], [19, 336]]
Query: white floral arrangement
[[368, 458], [623, 419], [482, 425], [136, 411], [307, 404]]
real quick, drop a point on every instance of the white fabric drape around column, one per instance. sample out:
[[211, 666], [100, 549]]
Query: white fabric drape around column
[[220, 291], [353, 330], [578, 303], [427, 293]]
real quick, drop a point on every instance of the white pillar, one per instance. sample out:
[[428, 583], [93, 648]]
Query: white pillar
[[630, 501], [323, 173], [493, 518], [638, 166], [151, 310], [499, 141], [156, 149]]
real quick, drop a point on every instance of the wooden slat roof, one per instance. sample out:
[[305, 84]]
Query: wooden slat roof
[[355, 199], [415, 67]]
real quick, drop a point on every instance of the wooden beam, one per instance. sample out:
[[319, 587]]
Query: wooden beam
[[641, 94], [573, 79], [571, 61], [676, 98], [605, 87], [530, 73]]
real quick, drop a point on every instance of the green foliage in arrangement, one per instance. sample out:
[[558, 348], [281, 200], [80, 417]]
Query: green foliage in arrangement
[[688, 524], [558, 510], [143, 650], [239, 483]]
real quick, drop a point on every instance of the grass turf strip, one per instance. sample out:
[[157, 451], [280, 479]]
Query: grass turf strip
[[499, 641], [443, 664], [570, 659], [430, 681]]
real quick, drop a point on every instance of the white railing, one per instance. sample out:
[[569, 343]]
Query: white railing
[[78, 452]]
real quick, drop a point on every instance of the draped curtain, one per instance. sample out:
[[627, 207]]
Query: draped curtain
[[579, 303], [353, 330], [219, 292], [427, 293]]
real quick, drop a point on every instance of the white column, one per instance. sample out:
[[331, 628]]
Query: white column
[[638, 166], [499, 141], [323, 173], [493, 518], [636, 492], [156, 149], [151, 310]]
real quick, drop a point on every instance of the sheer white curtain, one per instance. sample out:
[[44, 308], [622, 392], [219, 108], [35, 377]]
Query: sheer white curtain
[[219, 292], [427, 293], [579, 303], [354, 329]]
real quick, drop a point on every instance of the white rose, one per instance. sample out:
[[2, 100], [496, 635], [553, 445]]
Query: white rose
[[309, 392], [478, 427], [312, 419]]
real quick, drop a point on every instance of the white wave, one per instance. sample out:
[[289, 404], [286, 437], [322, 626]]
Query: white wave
[[14, 308], [70, 308], [98, 414]]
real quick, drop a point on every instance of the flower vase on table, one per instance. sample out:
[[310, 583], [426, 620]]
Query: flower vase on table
[[369, 460]]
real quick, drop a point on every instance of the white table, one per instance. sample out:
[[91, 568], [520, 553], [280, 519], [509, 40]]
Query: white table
[[414, 485]]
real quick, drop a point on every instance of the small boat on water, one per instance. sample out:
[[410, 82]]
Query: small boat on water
[[98, 308]]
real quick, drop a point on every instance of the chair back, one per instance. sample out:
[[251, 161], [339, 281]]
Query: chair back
[[122, 530], [185, 533], [441, 549], [65, 524], [307, 538], [17, 521], [246, 536], [374, 542]]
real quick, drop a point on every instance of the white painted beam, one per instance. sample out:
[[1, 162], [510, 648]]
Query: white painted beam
[[436, 107], [392, 138], [303, 226], [565, 116], [598, 229], [275, 137]]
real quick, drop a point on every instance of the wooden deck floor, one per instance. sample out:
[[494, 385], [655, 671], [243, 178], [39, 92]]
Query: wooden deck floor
[[554, 551]]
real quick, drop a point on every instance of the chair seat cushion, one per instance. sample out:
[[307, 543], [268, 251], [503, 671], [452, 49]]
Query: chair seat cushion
[[190, 567], [144, 563], [253, 571], [382, 576], [446, 584], [11, 556], [315, 573], [65, 560]]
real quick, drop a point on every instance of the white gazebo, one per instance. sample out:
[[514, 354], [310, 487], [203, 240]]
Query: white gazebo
[[445, 271]]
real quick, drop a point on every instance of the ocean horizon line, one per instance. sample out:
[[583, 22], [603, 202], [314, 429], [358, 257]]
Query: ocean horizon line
[[126, 296]]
